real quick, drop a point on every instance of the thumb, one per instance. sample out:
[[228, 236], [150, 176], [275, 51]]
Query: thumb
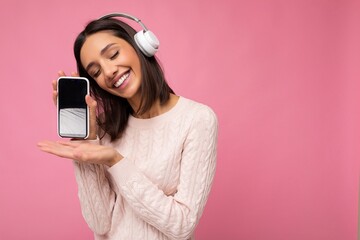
[[92, 104]]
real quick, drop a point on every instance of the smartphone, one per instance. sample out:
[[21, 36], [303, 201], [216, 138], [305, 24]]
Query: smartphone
[[72, 110]]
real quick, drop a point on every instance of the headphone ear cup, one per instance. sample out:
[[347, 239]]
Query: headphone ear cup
[[147, 42]]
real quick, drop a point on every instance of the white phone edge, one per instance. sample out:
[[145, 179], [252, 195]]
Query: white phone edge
[[87, 107]]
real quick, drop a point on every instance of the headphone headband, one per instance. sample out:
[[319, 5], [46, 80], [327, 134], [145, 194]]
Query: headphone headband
[[124, 15], [145, 39]]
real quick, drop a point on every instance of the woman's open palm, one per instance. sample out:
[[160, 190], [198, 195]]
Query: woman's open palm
[[82, 151]]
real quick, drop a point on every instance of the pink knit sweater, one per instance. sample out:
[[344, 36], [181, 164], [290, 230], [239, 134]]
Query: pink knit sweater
[[160, 187]]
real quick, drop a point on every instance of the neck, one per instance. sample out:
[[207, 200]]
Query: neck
[[156, 109]]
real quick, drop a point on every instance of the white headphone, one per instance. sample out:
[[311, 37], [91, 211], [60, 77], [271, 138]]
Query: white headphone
[[145, 39]]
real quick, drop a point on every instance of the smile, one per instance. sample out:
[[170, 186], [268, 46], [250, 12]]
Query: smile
[[122, 79]]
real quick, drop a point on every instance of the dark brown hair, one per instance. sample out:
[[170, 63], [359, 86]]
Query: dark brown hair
[[115, 110]]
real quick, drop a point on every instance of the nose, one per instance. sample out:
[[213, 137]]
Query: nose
[[109, 70]]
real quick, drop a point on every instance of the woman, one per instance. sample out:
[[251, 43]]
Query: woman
[[146, 170]]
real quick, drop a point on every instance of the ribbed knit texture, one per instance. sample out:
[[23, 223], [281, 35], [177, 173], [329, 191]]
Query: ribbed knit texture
[[159, 189]]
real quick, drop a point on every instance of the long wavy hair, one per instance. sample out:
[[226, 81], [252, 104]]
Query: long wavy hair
[[115, 110]]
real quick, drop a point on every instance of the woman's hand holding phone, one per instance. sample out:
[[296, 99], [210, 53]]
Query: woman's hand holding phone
[[82, 150], [91, 103]]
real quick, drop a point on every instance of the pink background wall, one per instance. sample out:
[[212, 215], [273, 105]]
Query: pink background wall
[[283, 77]]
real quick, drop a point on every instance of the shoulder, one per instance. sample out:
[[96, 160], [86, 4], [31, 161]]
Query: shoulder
[[199, 112], [201, 122]]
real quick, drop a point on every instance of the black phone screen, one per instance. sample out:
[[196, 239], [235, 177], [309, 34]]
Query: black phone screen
[[72, 108]]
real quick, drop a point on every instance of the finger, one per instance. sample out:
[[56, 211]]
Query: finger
[[71, 143], [54, 93], [61, 73], [54, 85], [74, 74], [50, 145], [56, 149], [92, 107], [60, 153], [46, 143], [42, 143], [54, 97], [91, 102]]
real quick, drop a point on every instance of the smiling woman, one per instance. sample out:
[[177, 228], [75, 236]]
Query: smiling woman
[[117, 55], [149, 173], [109, 68]]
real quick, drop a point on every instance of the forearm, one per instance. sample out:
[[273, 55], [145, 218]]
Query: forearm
[[175, 216]]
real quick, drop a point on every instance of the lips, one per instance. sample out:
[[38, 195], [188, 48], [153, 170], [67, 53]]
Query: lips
[[122, 79]]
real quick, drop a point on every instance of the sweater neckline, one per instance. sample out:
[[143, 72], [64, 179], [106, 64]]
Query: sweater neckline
[[157, 120]]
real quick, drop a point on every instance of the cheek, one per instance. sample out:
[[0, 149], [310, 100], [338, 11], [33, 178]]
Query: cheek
[[137, 67], [101, 82]]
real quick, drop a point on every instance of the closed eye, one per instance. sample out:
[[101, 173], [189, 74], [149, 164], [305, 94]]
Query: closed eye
[[115, 55], [95, 74]]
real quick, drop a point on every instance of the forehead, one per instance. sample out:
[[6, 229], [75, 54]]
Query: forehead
[[94, 43]]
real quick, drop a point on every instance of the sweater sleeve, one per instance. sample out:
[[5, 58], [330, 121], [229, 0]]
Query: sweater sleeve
[[175, 216], [95, 195]]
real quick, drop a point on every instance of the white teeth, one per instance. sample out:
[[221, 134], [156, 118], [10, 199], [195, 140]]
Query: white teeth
[[121, 80]]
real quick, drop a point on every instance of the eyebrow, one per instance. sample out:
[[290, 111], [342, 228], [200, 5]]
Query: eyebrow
[[101, 53]]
